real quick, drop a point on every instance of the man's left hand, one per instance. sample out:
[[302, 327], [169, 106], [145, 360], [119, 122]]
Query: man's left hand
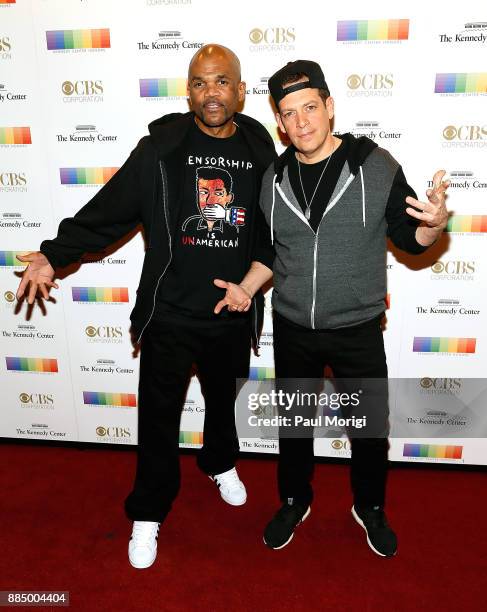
[[433, 213]]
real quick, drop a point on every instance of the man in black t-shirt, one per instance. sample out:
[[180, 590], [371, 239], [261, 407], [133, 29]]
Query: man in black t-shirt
[[174, 315]]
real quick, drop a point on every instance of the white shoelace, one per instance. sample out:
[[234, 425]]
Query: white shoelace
[[144, 531], [229, 479]]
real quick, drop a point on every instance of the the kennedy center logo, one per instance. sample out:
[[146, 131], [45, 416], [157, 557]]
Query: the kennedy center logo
[[169, 40], [473, 33], [78, 40], [100, 295], [86, 176], [32, 364], [375, 131], [8, 259], [86, 133], [455, 346], [116, 400], [373, 30], [465, 83], [8, 95], [15, 136], [168, 89]]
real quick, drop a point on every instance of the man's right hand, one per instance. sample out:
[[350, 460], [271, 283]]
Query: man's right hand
[[38, 274]]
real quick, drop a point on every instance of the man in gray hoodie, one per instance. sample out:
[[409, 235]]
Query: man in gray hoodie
[[331, 203]]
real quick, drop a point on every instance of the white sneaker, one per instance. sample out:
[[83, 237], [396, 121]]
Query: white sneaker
[[232, 489], [143, 544]]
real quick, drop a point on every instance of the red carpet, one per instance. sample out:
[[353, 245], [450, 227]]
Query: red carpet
[[63, 528]]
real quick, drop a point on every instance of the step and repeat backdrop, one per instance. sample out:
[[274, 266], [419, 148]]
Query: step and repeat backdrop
[[79, 82]]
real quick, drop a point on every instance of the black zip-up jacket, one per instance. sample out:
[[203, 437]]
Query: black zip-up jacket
[[146, 189]]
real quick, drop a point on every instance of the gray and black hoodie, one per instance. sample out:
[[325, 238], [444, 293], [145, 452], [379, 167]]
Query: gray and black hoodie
[[336, 277]]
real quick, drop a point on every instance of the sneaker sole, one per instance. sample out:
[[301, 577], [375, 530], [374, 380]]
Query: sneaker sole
[[361, 523], [142, 566], [225, 499], [305, 516]]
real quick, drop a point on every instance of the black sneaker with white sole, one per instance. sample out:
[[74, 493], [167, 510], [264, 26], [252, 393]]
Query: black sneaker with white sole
[[280, 530], [380, 537]]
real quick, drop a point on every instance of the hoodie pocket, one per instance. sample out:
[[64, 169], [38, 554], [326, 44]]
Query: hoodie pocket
[[294, 295]]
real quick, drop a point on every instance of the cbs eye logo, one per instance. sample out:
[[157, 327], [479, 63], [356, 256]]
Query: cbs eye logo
[[24, 398], [256, 36], [68, 88], [340, 445], [354, 81], [449, 132], [426, 383], [9, 296], [101, 431], [90, 331]]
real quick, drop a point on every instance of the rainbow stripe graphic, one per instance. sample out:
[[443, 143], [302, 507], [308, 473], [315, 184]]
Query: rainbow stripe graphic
[[8, 1], [100, 294], [78, 39], [31, 364], [9, 258], [261, 373], [15, 135], [444, 345], [162, 88], [467, 224], [461, 82], [437, 451], [86, 176], [100, 398], [373, 29], [190, 437]]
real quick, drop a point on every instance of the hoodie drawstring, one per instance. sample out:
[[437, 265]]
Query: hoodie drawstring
[[272, 208], [363, 195]]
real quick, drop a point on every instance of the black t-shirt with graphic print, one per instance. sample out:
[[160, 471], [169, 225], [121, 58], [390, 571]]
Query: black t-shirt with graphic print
[[212, 232]]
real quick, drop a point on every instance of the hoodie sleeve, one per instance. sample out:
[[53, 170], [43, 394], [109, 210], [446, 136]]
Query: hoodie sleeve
[[263, 249], [108, 216], [401, 228]]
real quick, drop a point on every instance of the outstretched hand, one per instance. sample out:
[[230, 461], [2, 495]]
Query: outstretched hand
[[432, 213], [237, 299], [39, 275]]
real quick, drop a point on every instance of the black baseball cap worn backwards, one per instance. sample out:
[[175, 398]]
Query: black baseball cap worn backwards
[[312, 69]]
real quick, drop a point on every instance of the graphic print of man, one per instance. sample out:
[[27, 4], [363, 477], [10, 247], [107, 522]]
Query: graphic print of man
[[214, 196]]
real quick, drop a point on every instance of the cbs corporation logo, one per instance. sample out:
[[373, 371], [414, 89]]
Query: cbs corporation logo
[[9, 296], [24, 398], [354, 81], [465, 135], [340, 445], [104, 333], [370, 81], [276, 37], [122, 434], [370, 85], [454, 268], [91, 331]]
